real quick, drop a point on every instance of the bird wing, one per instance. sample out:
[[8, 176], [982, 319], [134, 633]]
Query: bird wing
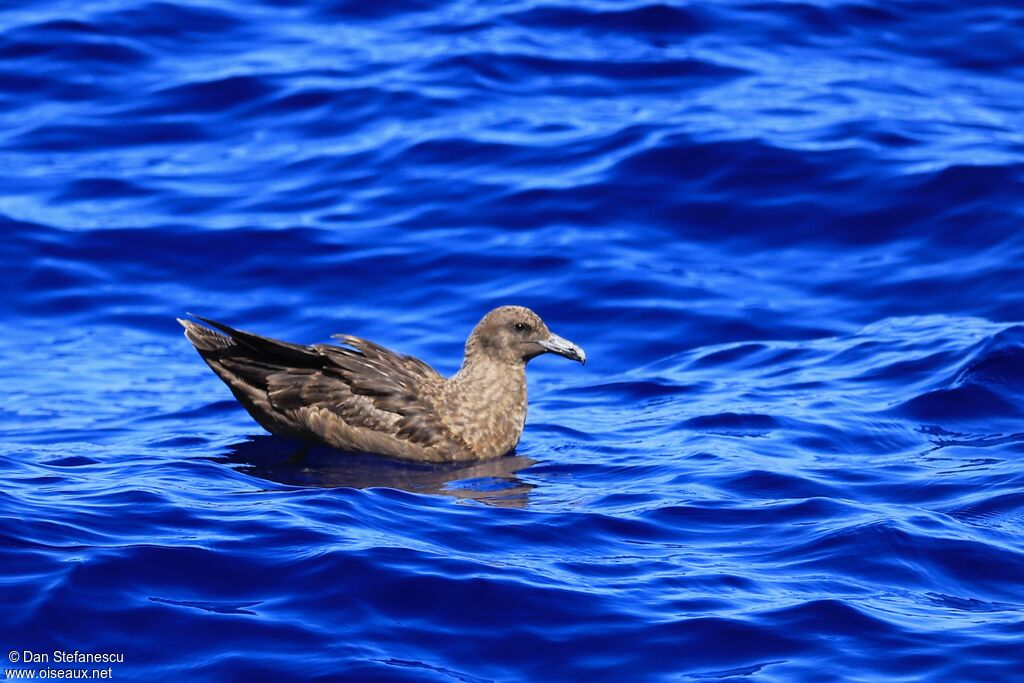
[[364, 384], [265, 350], [367, 386], [396, 383]]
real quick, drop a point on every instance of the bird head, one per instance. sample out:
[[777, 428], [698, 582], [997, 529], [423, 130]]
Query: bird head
[[514, 335]]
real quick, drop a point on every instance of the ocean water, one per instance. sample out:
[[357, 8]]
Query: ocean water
[[788, 235]]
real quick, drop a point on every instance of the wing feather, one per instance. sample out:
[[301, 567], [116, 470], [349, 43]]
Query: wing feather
[[362, 383], [398, 384]]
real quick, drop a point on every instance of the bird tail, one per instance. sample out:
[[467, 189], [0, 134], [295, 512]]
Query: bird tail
[[245, 362], [203, 338], [242, 343]]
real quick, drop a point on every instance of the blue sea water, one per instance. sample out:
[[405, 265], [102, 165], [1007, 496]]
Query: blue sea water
[[788, 235]]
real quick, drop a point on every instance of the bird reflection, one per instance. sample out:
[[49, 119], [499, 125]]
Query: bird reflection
[[289, 462]]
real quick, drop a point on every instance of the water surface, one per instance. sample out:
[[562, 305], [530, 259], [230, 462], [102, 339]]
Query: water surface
[[787, 234]]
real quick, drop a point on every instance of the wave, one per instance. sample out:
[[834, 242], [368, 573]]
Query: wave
[[786, 233]]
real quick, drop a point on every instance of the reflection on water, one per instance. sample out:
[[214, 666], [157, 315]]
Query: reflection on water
[[286, 461]]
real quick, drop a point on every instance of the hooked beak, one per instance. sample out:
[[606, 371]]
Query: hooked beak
[[563, 347]]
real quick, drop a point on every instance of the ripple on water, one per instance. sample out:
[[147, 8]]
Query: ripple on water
[[788, 236]]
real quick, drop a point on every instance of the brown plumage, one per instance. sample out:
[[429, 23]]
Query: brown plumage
[[363, 397]]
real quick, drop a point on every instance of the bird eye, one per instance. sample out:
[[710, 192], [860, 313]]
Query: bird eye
[[521, 327]]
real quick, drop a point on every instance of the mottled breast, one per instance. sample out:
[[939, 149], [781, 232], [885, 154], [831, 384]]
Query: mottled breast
[[486, 410]]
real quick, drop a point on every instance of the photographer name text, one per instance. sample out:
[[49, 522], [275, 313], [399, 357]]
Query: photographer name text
[[65, 657]]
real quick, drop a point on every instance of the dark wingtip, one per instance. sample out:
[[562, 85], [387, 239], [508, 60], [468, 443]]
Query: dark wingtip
[[221, 327], [203, 338]]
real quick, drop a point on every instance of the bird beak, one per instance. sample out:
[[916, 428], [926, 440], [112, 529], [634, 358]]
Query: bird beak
[[563, 347]]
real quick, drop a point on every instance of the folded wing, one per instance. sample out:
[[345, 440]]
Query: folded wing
[[361, 384]]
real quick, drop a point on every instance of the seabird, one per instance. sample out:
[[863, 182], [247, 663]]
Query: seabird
[[362, 397]]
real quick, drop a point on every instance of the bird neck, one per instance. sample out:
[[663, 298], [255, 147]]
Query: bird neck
[[486, 405], [480, 368]]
